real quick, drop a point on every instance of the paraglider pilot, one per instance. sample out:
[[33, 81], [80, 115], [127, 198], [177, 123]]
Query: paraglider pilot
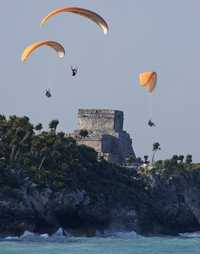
[[48, 93], [151, 124], [74, 70]]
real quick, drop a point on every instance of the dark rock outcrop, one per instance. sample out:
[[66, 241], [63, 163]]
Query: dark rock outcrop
[[155, 203]]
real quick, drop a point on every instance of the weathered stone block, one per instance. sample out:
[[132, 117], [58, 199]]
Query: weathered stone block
[[105, 134], [100, 119]]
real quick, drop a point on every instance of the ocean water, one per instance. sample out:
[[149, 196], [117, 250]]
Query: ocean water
[[119, 243]]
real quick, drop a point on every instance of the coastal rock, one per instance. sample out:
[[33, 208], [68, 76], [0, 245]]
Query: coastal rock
[[154, 203]]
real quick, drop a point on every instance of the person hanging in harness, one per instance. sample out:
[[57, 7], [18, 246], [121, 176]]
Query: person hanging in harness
[[151, 124], [74, 71], [48, 93]]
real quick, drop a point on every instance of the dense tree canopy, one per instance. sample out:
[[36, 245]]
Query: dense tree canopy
[[48, 158]]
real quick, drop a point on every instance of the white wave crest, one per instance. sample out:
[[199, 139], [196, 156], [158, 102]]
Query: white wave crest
[[191, 235]]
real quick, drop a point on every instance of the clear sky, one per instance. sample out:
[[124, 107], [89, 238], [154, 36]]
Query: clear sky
[[144, 35]]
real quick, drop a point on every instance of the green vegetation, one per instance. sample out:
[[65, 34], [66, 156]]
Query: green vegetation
[[46, 156], [51, 159], [81, 190], [176, 165], [156, 148], [53, 125], [83, 133], [131, 159], [146, 157]]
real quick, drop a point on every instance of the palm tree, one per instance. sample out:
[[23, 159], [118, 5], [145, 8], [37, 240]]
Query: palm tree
[[38, 127], [156, 148], [188, 159], [146, 157], [53, 125], [181, 158], [175, 159]]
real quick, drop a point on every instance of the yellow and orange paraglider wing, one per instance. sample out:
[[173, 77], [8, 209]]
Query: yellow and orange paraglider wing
[[148, 80], [52, 44], [80, 11]]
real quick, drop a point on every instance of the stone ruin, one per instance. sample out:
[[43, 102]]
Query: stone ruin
[[105, 134]]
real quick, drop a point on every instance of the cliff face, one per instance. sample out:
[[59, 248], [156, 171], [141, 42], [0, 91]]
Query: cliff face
[[154, 203], [47, 181], [98, 202], [172, 203]]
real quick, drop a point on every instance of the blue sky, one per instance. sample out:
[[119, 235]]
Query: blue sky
[[144, 35]]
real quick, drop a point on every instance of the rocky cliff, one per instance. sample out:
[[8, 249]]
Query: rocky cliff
[[156, 202], [48, 181]]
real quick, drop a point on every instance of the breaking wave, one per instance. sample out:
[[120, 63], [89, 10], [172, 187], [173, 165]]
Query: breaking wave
[[191, 235], [62, 236]]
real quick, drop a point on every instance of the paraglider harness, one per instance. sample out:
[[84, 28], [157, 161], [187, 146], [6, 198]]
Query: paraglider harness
[[48, 93], [74, 71], [151, 124]]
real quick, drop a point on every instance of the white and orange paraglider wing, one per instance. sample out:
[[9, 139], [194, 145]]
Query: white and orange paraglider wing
[[82, 12], [52, 44], [148, 80]]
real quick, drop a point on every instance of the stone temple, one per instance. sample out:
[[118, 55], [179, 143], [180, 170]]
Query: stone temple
[[105, 134]]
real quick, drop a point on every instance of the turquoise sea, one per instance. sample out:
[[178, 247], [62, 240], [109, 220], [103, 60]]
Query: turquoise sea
[[119, 243]]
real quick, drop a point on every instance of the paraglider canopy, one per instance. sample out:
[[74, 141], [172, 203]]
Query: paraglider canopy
[[52, 44], [148, 80], [82, 12]]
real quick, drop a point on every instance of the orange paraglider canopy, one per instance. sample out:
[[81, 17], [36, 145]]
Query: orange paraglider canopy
[[148, 80], [52, 44], [82, 12]]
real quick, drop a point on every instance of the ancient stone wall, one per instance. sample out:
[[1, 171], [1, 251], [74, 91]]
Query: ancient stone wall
[[105, 134], [100, 119]]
